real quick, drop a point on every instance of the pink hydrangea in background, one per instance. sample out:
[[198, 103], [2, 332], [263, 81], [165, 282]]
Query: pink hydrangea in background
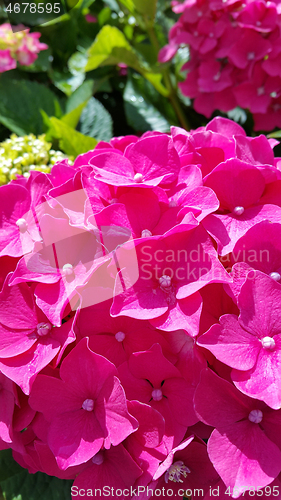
[[22, 47], [235, 56], [140, 315]]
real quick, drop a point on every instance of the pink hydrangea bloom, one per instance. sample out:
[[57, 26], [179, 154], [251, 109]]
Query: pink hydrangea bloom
[[6, 61], [116, 293], [234, 56], [250, 344], [88, 408], [21, 46], [242, 448]]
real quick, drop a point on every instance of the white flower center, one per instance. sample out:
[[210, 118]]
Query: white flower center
[[165, 281], [138, 177], [146, 233], [157, 394], [68, 269], [43, 329], [88, 405], [22, 225], [273, 94], [275, 276], [172, 204], [255, 416], [268, 343], [98, 458], [114, 200], [260, 91], [175, 472], [217, 77], [120, 336], [251, 56], [239, 210]]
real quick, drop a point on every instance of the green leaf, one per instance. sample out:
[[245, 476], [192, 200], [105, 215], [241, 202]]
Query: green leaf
[[155, 79], [57, 20], [8, 466], [238, 115], [113, 5], [61, 36], [146, 7], [20, 103], [111, 47], [71, 142], [96, 121], [72, 118], [275, 135], [129, 4], [145, 108], [77, 63], [104, 16], [82, 94], [67, 83], [25, 486]]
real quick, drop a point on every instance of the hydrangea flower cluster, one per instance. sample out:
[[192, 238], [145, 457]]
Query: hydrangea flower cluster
[[21, 46], [20, 155], [235, 56], [140, 310]]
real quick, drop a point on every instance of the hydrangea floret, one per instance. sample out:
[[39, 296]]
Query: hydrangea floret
[[20, 47], [140, 316]]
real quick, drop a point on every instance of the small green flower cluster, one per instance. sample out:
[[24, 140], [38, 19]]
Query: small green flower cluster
[[19, 155]]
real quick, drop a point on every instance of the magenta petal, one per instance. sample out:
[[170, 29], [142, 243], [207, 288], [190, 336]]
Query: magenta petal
[[22, 369], [17, 307], [112, 414], [152, 365], [15, 342], [114, 169], [244, 457], [184, 315], [151, 425], [7, 400], [52, 300], [217, 402], [180, 400], [91, 370], [231, 344], [51, 396], [138, 302], [118, 471], [255, 311], [227, 229], [74, 437], [15, 204], [155, 158], [230, 181], [262, 382]]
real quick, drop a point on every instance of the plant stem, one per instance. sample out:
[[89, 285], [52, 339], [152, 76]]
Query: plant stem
[[172, 90]]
